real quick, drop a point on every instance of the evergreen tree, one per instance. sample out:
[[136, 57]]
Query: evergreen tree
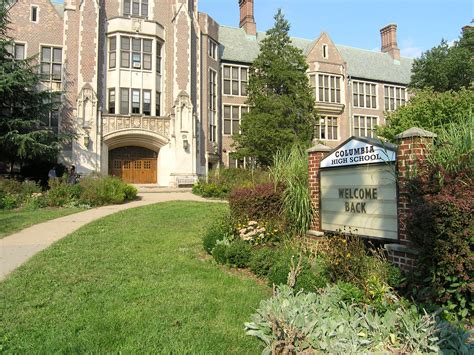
[[281, 102], [24, 107], [445, 67]]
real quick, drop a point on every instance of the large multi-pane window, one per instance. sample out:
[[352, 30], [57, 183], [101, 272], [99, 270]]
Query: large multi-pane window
[[135, 7], [364, 126], [235, 80], [139, 99], [212, 103], [232, 117], [364, 94], [327, 88], [135, 53], [51, 63], [326, 128], [394, 96]]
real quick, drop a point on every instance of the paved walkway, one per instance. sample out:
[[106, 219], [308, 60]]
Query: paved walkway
[[19, 247]]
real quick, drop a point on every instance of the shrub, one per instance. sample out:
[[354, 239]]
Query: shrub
[[442, 226], [308, 279], [261, 261], [61, 193], [238, 254], [262, 202], [221, 182], [14, 194], [347, 258], [325, 322], [220, 229], [350, 293], [131, 192], [219, 252]]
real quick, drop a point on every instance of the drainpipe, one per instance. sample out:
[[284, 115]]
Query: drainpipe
[[349, 90]]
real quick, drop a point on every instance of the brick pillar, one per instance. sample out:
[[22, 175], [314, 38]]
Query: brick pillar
[[315, 155], [412, 151]]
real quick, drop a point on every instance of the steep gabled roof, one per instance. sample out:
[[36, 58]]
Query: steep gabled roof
[[236, 46]]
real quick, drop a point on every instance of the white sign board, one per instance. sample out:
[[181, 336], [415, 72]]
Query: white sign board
[[358, 151], [361, 200]]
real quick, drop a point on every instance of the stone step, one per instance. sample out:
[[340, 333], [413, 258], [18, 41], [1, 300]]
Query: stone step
[[151, 188]]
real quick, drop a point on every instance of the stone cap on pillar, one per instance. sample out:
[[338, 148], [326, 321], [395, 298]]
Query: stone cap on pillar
[[416, 132], [319, 148]]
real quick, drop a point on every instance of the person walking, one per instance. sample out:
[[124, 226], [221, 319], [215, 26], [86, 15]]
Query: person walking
[[52, 173], [72, 176]]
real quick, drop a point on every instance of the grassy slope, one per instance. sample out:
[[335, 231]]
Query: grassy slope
[[14, 220], [131, 282]]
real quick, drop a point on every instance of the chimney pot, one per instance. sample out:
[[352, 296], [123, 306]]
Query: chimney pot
[[388, 35], [247, 19]]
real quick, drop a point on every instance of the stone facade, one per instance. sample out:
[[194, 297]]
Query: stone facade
[[162, 76]]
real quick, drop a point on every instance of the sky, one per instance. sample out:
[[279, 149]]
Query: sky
[[356, 23]]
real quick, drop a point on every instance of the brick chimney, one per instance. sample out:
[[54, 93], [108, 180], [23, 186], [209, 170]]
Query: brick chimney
[[247, 20], [389, 41]]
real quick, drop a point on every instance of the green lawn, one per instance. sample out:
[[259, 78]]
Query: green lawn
[[13, 220], [133, 282]]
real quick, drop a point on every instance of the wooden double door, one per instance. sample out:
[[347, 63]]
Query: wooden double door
[[135, 165]]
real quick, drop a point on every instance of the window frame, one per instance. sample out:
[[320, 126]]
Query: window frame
[[128, 8], [397, 101], [212, 105], [212, 48], [112, 51], [110, 107], [327, 85], [363, 96], [328, 129], [239, 82], [34, 12], [51, 62], [365, 126], [232, 120]]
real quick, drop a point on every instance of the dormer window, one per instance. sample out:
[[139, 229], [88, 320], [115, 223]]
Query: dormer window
[[34, 13], [135, 8], [325, 51]]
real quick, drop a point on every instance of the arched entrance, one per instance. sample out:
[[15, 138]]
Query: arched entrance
[[133, 164]]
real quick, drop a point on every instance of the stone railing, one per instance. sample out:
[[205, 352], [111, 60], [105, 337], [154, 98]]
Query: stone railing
[[113, 123]]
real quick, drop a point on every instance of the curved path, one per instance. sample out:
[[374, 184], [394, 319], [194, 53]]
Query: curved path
[[19, 247]]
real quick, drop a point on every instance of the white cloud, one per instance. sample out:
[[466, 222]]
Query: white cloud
[[409, 49]]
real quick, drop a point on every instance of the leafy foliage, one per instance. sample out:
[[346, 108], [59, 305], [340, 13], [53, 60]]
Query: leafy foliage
[[24, 107], [222, 181], [326, 322], [219, 229], [262, 202], [445, 67], [453, 150], [104, 190], [441, 225], [290, 169], [429, 110], [282, 104]]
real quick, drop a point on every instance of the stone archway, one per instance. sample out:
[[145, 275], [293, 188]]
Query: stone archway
[[133, 155]]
